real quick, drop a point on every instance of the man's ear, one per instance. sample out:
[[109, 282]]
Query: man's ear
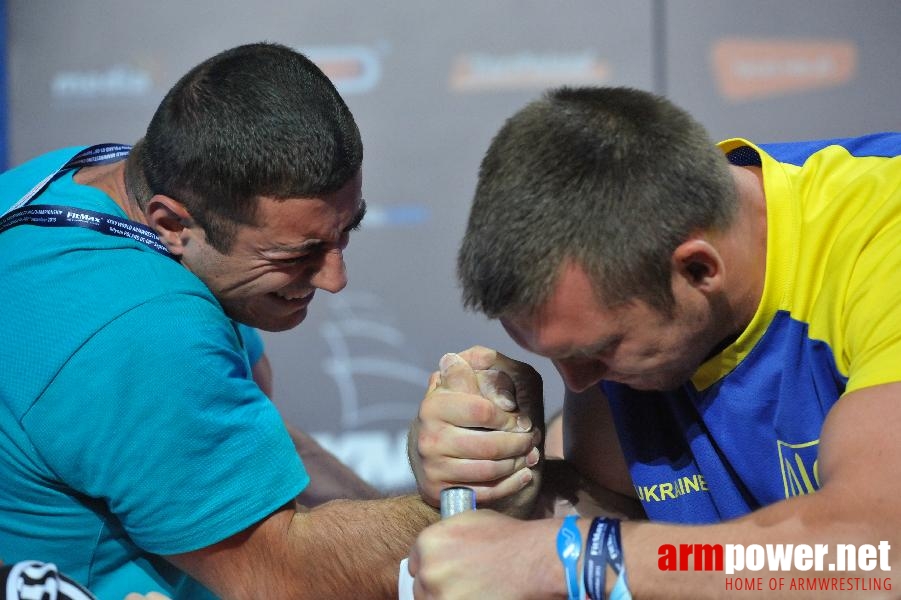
[[700, 264], [171, 221]]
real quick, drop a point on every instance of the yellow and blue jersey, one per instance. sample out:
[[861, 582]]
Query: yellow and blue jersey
[[744, 432]]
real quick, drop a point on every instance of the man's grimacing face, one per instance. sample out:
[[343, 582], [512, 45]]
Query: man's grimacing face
[[632, 343], [272, 270]]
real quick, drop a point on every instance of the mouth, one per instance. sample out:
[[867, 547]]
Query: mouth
[[294, 299]]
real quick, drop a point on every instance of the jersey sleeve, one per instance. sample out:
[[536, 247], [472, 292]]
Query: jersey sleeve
[[157, 418], [253, 342], [873, 312]]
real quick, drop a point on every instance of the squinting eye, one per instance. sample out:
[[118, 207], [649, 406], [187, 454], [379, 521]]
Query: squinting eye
[[289, 261]]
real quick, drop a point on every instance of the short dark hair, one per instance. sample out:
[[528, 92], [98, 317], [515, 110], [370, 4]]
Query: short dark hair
[[611, 178], [256, 120]]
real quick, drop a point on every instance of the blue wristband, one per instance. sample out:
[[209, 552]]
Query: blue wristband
[[620, 589], [595, 564], [615, 559], [604, 548], [614, 543], [569, 547]]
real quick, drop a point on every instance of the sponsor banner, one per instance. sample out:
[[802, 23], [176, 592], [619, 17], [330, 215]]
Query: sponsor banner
[[527, 71], [399, 215], [751, 69], [353, 69], [118, 84]]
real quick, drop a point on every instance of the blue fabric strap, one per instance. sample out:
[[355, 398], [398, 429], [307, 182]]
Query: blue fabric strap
[[52, 215]]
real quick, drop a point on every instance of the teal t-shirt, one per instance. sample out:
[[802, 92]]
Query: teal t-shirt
[[253, 343], [131, 427]]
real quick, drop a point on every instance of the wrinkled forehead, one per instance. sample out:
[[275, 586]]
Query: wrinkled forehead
[[571, 320], [296, 223]]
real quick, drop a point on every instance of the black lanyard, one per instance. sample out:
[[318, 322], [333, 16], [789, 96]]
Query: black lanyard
[[51, 215]]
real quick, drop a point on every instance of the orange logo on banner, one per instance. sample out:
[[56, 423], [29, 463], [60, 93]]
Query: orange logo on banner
[[749, 69], [353, 69], [336, 69]]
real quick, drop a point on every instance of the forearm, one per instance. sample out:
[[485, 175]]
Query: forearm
[[330, 479], [826, 517], [564, 491], [355, 548], [341, 549]]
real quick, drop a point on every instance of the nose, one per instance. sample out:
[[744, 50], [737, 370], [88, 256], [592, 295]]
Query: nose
[[580, 374], [332, 274]]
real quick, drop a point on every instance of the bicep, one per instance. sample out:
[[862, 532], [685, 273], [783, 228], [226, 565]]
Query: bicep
[[553, 437], [860, 448], [590, 441], [262, 374], [330, 479]]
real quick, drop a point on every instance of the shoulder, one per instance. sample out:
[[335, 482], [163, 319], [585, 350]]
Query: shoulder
[[19, 180]]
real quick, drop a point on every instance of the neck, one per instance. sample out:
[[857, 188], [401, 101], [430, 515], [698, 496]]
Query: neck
[[748, 239], [110, 179]]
